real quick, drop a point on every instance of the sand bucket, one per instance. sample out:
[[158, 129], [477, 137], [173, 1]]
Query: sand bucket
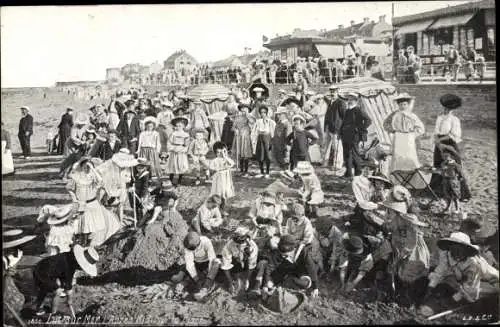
[[283, 301]]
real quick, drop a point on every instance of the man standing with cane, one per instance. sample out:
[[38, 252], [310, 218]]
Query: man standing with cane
[[333, 122]]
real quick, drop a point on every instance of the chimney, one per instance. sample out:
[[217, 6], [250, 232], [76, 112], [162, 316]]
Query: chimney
[[381, 19], [352, 23], [341, 27], [366, 20]]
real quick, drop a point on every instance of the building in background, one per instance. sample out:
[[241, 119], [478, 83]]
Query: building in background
[[180, 60], [431, 33], [114, 75], [365, 37]]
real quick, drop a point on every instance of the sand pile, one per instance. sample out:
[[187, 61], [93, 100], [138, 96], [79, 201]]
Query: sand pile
[[157, 247]]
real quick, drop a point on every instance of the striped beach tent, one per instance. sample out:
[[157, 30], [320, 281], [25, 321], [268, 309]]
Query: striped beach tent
[[208, 93], [376, 99]]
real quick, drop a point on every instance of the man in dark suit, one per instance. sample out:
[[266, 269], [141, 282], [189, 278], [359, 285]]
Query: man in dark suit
[[333, 122], [25, 131], [65, 129], [128, 130], [353, 131]]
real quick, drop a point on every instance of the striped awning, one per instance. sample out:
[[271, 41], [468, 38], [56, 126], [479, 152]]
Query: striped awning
[[452, 21], [366, 86], [414, 27]]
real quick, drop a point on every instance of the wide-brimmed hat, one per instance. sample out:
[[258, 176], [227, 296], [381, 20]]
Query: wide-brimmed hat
[[381, 177], [298, 117], [451, 101], [167, 103], [459, 238], [87, 259], [63, 213], [287, 243], [334, 87], [413, 219], [403, 97], [13, 239], [353, 244], [177, 120], [12, 232], [291, 100], [398, 206], [25, 108], [143, 162], [281, 110], [303, 167], [150, 119], [242, 105], [81, 119], [199, 130], [124, 160], [269, 199], [258, 89]]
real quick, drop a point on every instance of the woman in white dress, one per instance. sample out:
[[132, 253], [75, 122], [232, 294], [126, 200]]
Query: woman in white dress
[[405, 127], [7, 162], [97, 222]]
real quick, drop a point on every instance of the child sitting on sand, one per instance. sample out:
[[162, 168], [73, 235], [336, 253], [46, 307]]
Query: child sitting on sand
[[208, 216], [312, 194]]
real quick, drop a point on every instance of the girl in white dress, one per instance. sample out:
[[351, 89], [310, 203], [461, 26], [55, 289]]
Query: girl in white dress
[[97, 222], [150, 146], [178, 142], [222, 180]]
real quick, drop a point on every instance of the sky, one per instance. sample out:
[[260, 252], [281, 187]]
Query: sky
[[44, 44]]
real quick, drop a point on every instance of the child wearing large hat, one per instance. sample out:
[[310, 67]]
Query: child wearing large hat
[[56, 274], [461, 267]]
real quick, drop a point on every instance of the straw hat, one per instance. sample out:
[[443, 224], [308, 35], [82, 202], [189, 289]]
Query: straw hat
[[304, 167], [177, 120], [258, 89], [281, 110], [298, 117], [458, 238], [87, 259], [283, 301], [13, 232], [25, 108], [451, 101], [150, 119], [403, 97], [398, 206], [62, 214], [381, 177], [81, 119], [13, 238], [269, 199], [199, 130], [124, 160]]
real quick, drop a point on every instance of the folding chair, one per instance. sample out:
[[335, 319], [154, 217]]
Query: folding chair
[[406, 179]]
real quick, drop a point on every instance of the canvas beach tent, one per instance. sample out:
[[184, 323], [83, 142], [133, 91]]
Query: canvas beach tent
[[377, 100]]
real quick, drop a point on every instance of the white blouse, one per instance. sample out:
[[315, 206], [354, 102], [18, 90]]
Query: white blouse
[[150, 139], [449, 125], [265, 127]]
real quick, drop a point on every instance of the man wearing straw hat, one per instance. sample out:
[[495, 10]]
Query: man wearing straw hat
[[461, 267], [25, 131], [13, 299], [353, 132], [56, 274], [333, 122]]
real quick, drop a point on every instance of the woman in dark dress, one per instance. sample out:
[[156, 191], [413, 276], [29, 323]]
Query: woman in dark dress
[[448, 132], [231, 107]]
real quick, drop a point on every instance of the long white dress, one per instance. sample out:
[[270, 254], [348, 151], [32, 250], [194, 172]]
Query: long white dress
[[7, 162], [222, 180], [96, 219]]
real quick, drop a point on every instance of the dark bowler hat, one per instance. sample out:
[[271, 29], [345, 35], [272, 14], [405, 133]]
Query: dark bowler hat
[[451, 101]]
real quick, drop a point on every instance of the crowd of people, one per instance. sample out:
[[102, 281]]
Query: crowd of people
[[144, 144], [318, 70], [410, 66]]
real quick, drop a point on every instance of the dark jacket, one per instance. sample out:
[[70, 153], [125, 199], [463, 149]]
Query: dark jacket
[[61, 266], [26, 125], [66, 122], [105, 151], [141, 183], [300, 143], [125, 133], [355, 125], [279, 268], [334, 115]]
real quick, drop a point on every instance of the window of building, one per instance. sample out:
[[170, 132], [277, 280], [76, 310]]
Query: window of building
[[443, 36]]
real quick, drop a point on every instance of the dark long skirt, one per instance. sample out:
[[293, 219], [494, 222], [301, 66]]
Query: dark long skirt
[[437, 180], [227, 136], [263, 148], [64, 134]]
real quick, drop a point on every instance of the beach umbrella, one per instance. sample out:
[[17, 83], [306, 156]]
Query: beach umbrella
[[209, 93]]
